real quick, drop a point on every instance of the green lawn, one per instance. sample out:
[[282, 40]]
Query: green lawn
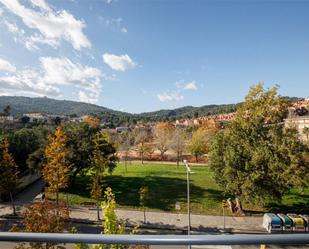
[[168, 185]]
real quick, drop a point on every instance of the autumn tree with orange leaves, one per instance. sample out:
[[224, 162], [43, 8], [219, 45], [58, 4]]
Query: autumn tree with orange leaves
[[92, 121], [56, 170], [163, 135], [43, 217], [8, 172]]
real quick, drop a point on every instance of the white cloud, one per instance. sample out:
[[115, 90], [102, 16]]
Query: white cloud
[[88, 97], [169, 96], [27, 81], [6, 66], [191, 86], [12, 27], [41, 4], [187, 86], [62, 71], [124, 30], [53, 26], [53, 73], [118, 63]]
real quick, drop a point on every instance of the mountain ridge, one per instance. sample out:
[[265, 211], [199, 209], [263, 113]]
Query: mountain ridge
[[20, 105]]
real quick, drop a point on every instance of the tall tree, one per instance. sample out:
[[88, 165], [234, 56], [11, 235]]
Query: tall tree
[[8, 172], [142, 142], [7, 110], [126, 144], [103, 158], [80, 144], [110, 223], [178, 143], [256, 158], [56, 170], [144, 197], [198, 144], [163, 132]]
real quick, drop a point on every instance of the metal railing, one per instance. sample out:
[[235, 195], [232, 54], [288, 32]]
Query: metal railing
[[239, 239]]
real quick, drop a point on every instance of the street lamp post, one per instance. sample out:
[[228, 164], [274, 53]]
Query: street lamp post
[[188, 196]]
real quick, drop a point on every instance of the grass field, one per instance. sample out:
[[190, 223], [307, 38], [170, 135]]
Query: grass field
[[168, 185]]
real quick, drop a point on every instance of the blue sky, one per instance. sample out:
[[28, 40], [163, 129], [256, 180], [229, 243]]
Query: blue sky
[[139, 56]]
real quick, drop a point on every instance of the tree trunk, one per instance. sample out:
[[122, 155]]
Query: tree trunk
[[162, 155], [13, 204], [125, 162], [98, 210], [196, 158], [142, 157], [178, 159], [57, 197], [239, 207], [144, 215]]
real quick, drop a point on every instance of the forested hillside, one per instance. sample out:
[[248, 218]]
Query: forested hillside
[[20, 105]]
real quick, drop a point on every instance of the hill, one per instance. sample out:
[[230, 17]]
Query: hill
[[20, 105]]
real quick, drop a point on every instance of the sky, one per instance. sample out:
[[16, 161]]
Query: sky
[[140, 56]]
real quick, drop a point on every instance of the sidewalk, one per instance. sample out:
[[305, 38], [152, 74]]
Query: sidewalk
[[177, 221], [165, 220]]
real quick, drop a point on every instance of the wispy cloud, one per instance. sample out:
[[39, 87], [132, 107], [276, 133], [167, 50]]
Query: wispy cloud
[[119, 62], [53, 73], [52, 26], [114, 23], [6, 66], [187, 85], [169, 96]]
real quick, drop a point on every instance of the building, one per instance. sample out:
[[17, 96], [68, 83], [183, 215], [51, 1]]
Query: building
[[299, 122], [6, 119]]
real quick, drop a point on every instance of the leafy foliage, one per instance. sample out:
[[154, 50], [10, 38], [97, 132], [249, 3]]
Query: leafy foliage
[[55, 171], [256, 158], [44, 217], [8, 172]]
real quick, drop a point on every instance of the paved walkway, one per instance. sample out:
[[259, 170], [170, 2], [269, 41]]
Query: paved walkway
[[177, 221]]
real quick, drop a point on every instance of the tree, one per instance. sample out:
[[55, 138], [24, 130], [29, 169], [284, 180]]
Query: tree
[[23, 142], [256, 158], [141, 142], [110, 223], [177, 143], [144, 196], [126, 143], [44, 217], [8, 172], [56, 170], [163, 132], [198, 144], [93, 122], [25, 119], [306, 133], [80, 145], [103, 158], [7, 110]]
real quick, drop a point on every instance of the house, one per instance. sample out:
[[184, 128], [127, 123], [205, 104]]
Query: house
[[299, 122], [6, 119]]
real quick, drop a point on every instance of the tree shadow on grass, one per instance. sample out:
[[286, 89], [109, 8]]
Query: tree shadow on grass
[[297, 203], [164, 192]]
